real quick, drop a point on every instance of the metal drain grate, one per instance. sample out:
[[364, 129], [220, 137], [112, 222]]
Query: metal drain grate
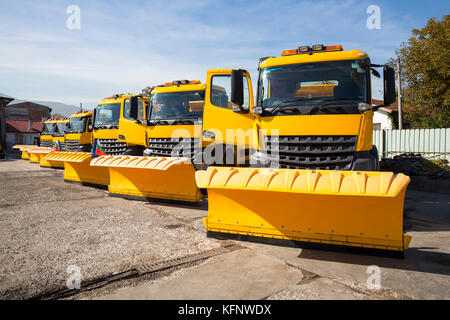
[[136, 272], [158, 266]]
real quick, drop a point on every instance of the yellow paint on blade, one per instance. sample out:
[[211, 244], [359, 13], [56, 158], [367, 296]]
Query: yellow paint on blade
[[363, 209]]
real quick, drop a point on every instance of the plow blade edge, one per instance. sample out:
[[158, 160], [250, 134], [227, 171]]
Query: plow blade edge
[[53, 160], [77, 168], [359, 209], [159, 178], [25, 150], [36, 155]]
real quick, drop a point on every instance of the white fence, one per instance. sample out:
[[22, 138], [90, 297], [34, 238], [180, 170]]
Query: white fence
[[430, 143]]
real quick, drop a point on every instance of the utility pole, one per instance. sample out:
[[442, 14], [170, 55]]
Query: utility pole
[[399, 79]]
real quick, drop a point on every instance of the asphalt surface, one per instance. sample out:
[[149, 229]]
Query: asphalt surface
[[48, 226]]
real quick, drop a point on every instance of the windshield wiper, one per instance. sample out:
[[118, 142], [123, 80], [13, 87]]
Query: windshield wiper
[[281, 104], [329, 105], [157, 121], [183, 120]]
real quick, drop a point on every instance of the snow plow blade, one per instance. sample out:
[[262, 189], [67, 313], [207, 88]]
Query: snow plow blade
[[53, 160], [24, 149], [151, 178], [344, 208], [77, 168], [36, 155]]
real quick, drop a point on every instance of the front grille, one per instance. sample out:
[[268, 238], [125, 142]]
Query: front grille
[[312, 152], [112, 146], [46, 143], [172, 147], [72, 145]]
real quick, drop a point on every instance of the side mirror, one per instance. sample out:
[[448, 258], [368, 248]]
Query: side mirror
[[389, 85], [90, 127], [237, 87], [94, 113], [134, 107]]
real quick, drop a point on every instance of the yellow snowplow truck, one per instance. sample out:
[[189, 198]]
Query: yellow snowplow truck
[[172, 134], [111, 114], [58, 135], [45, 139], [77, 138], [56, 130], [46, 136], [51, 132], [311, 175]]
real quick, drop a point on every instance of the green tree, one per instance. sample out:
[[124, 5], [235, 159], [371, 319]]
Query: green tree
[[425, 73]]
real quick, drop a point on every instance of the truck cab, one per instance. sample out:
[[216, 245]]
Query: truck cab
[[46, 134], [174, 118], [79, 132], [115, 130], [313, 109], [59, 133]]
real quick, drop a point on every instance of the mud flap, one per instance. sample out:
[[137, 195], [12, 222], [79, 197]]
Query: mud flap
[[159, 178], [346, 208]]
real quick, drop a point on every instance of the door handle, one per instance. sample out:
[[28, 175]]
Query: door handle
[[209, 134]]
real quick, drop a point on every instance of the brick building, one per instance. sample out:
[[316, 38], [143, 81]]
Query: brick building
[[24, 122]]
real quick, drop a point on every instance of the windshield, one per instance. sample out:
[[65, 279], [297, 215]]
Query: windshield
[[301, 84], [77, 124], [177, 105], [48, 128], [107, 115], [62, 127]]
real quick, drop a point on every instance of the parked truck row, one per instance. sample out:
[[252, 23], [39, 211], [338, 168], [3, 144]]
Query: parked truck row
[[296, 163]]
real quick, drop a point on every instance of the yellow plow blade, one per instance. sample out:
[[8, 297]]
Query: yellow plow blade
[[161, 178], [25, 150], [359, 209], [25, 154], [77, 168], [39, 153], [53, 159]]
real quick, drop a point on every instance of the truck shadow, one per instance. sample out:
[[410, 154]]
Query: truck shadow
[[420, 259]]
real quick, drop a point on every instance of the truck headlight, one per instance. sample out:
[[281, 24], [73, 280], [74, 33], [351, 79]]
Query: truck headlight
[[260, 159], [146, 152], [363, 106]]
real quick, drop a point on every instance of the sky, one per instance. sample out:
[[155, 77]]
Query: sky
[[124, 46]]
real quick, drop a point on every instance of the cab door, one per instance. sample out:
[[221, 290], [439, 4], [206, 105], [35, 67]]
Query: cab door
[[223, 122], [132, 131]]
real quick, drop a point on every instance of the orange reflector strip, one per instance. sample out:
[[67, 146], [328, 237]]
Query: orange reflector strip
[[288, 52], [334, 48]]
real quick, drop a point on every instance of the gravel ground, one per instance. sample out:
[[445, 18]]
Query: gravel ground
[[47, 225]]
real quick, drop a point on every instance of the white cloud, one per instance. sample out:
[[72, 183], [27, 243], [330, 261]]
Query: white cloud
[[123, 46]]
